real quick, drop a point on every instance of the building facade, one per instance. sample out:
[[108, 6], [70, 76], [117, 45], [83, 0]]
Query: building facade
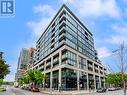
[[65, 53], [25, 62]]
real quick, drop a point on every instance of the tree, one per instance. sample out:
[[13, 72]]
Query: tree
[[4, 69], [36, 76], [21, 82], [122, 55], [40, 77], [25, 79], [114, 79], [31, 75], [1, 81]]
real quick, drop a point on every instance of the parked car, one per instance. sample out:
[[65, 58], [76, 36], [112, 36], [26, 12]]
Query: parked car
[[35, 89], [112, 89], [22, 87], [118, 88], [100, 90], [16, 86], [26, 88]]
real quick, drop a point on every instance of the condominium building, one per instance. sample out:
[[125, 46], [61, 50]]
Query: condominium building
[[65, 52]]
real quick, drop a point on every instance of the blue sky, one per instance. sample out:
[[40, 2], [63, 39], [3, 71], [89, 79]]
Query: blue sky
[[106, 19]]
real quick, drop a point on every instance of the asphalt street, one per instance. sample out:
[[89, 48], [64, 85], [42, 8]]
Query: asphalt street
[[18, 91]]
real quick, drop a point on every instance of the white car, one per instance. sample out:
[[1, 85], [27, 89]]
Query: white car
[[112, 89]]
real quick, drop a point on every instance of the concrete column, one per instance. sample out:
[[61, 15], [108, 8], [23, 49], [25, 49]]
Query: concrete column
[[94, 82], [87, 82], [104, 82], [51, 75], [78, 82], [44, 73], [87, 75], [44, 66], [100, 81], [60, 68], [93, 66], [60, 58]]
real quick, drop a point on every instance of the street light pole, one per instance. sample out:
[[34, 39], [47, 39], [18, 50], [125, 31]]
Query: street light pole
[[121, 56]]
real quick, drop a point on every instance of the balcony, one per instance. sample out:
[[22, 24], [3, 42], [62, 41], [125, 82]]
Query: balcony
[[90, 65], [62, 30], [53, 25], [62, 37], [62, 24], [101, 72], [53, 30], [63, 13], [63, 18], [90, 78], [53, 35], [96, 70]]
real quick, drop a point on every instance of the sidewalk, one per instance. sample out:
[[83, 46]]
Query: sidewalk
[[7, 92], [68, 92]]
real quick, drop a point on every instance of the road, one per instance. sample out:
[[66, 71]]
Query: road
[[18, 91]]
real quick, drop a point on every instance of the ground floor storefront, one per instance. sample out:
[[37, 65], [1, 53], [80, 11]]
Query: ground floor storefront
[[67, 69], [71, 80]]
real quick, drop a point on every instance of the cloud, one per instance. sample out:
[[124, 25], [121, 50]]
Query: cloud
[[67, 1], [95, 8], [103, 52], [9, 77], [38, 27], [44, 9], [47, 13], [119, 36]]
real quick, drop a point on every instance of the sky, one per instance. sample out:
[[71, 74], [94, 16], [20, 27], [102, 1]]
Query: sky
[[106, 19]]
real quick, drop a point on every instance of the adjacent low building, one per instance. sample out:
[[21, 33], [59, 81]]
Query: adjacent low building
[[65, 52]]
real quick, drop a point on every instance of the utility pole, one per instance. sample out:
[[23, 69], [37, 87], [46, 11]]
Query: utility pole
[[123, 64]]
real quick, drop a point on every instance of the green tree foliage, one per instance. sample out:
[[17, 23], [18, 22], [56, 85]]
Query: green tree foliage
[[1, 81], [4, 69], [25, 79], [31, 75], [116, 79], [39, 76], [8, 83], [34, 77], [21, 82]]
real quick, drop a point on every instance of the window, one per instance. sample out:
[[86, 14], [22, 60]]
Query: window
[[71, 44], [82, 63], [69, 58], [71, 20]]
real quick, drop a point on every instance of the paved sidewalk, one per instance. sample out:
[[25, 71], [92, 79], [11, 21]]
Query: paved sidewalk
[[7, 92], [68, 92]]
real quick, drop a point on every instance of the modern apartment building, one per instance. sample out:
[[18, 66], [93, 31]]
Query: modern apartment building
[[25, 62], [31, 58], [65, 53]]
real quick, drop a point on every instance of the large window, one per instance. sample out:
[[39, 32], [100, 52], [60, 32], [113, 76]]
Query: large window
[[69, 79], [69, 58], [82, 63], [71, 20], [82, 80]]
